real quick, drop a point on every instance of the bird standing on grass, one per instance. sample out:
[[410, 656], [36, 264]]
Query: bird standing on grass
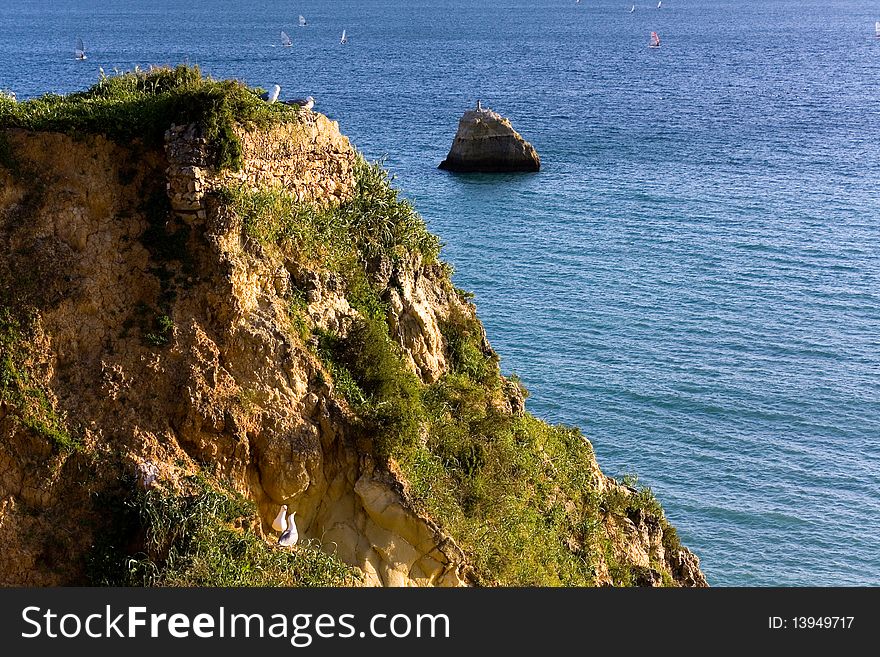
[[271, 96], [290, 535], [280, 522]]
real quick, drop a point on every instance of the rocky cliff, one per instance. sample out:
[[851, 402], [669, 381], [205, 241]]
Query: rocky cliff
[[281, 332]]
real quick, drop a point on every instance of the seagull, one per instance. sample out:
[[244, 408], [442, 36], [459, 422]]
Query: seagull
[[280, 522], [306, 103], [290, 535], [271, 96]]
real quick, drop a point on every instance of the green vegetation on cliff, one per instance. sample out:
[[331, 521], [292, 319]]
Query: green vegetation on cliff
[[374, 222], [26, 400], [142, 105], [517, 494], [202, 537], [512, 490]]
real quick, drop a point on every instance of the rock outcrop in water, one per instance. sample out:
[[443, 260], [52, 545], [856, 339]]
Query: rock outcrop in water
[[486, 142], [165, 321]]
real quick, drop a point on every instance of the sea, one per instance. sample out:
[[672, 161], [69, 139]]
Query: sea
[[693, 277]]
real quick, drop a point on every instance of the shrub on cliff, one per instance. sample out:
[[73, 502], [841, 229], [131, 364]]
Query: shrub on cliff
[[369, 371], [201, 538], [374, 222], [142, 105]]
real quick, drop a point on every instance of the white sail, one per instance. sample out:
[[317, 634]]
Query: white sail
[[659, 3], [877, 29], [80, 49], [655, 40], [632, 9], [344, 38], [302, 20], [285, 40]]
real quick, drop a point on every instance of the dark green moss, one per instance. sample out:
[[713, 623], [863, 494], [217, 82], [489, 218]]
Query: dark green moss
[[160, 335], [28, 403], [7, 156]]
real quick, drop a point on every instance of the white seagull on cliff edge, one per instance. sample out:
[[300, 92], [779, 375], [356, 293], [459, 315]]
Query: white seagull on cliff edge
[[290, 535], [271, 96], [306, 103], [280, 522]]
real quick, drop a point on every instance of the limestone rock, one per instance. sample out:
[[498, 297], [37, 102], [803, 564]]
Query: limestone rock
[[486, 142], [231, 387]]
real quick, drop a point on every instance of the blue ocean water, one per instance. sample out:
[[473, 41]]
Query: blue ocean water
[[694, 275]]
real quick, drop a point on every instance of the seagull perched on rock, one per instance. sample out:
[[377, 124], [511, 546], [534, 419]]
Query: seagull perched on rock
[[290, 535], [306, 103], [280, 522], [271, 96]]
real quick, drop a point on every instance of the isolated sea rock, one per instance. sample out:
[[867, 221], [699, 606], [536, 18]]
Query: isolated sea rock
[[486, 142]]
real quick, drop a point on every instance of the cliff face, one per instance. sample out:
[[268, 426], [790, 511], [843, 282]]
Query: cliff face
[[147, 333]]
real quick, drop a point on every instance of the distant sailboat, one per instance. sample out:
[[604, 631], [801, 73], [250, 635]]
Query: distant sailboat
[[632, 9], [302, 21], [877, 29], [655, 40], [80, 50], [285, 40], [344, 38], [660, 2]]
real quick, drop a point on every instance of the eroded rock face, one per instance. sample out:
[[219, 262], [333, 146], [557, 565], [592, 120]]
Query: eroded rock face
[[639, 540], [486, 142], [231, 385]]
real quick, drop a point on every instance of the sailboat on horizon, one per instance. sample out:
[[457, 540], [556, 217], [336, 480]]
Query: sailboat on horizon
[[660, 2], [344, 38], [285, 40], [302, 20], [655, 40], [80, 50]]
